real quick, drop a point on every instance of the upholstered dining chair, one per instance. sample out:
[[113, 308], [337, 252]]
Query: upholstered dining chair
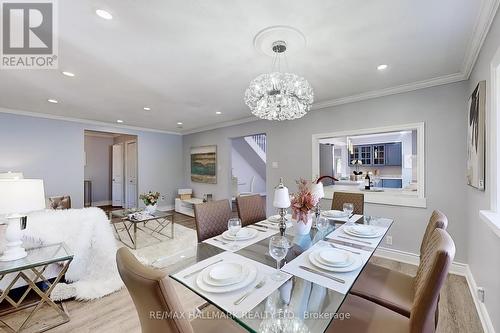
[[370, 317], [392, 289], [152, 292], [357, 199], [60, 202], [251, 209], [211, 218]]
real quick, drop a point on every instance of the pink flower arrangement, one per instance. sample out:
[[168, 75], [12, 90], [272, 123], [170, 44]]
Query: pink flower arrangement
[[303, 201], [150, 198]]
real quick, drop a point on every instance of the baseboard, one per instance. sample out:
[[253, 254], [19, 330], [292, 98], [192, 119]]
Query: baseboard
[[101, 203], [457, 268]]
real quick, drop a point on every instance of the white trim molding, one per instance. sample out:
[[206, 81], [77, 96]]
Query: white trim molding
[[409, 199], [492, 219], [456, 268]]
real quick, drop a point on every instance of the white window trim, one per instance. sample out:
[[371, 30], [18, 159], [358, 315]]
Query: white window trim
[[385, 198], [492, 216]]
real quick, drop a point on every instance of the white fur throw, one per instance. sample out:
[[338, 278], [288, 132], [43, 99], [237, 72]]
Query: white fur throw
[[88, 234]]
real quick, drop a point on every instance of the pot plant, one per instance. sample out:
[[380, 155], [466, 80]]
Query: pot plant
[[150, 199], [302, 204]]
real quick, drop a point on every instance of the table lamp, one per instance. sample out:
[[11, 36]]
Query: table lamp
[[318, 192], [18, 197], [282, 202]]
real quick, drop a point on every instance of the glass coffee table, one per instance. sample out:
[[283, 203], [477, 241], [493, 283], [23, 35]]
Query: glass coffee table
[[154, 225]]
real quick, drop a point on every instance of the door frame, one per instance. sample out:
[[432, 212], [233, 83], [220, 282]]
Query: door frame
[[125, 183]]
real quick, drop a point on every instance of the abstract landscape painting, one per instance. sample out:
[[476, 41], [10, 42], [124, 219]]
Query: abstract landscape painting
[[204, 164], [476, 137]]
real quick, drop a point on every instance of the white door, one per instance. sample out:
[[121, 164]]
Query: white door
[[131, 174], [117, 175]]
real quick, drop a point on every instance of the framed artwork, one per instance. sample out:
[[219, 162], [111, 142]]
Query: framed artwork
[[476, 134], [204, 164]]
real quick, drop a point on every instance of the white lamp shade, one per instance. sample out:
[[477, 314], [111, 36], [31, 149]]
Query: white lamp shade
[[281, 197], [21, 196], [317, 190]]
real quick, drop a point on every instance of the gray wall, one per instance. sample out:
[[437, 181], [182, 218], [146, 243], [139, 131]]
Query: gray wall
[[289, 143], [484, 244], [98, 166], [53, 151]]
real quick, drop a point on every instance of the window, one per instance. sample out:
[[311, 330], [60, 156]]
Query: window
[[392, 156]]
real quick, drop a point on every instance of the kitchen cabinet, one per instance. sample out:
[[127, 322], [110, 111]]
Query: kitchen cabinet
[[393, 154], [363, 153], [392, 183]]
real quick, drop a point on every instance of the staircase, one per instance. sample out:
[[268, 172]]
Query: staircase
[[258, 143]]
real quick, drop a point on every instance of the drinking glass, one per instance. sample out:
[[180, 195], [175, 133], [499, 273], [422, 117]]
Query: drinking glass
[[278, 248], [322, 223], [348, 209], [234, 226]]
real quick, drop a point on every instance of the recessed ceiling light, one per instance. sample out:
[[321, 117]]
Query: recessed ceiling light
[[218, 112], [382, 67], [179, 123], [104, 14], [147, 108], [54, 101], [69, 74], [119, 121]]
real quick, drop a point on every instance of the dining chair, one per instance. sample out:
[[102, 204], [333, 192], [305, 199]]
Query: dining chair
[[393, 289], [155, 298], [211, 218], [369, 317], [251, 209], [357, 199]]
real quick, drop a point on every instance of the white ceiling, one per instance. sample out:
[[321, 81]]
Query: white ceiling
[[188, 59]]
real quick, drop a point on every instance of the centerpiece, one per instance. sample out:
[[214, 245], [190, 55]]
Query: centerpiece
[[302, 204], [150, 199], [357, 174]]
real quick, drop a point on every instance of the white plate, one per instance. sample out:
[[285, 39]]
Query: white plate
[[361, 229], [243, 234], [349, 232], [250, 277], [208, 279], [334, 257], [337, 214], [357, 262], [225, 271]]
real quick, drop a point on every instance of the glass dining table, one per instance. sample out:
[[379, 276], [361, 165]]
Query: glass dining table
[[303, 305]]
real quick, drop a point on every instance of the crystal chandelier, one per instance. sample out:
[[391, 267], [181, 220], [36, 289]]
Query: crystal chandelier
[[277, 95]]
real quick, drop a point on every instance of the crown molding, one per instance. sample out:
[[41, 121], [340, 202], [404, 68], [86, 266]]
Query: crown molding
[[484, 20], [83, 121], [220, 125], [441, 80]]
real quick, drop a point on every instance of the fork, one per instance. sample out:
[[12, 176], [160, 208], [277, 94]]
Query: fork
[[220, 241], [255, 228], [258, 286]]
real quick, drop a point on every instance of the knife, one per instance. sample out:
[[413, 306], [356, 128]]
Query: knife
[[356, 240], [255, 228], [199, 270], [310, 270], [356, 246]]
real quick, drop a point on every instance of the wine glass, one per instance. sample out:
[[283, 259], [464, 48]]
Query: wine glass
[[234, 226], [322, 223], [348, 209], [278, 248]]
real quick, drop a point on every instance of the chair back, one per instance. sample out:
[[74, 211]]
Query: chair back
[[60, 202], [152, 293], [431, 276], [437, 220], [251, 209], [357, 199], [211, 218]]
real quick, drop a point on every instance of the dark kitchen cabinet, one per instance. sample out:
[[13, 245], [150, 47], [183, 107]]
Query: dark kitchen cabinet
[[363, 153], [393, 154], [379, 154]]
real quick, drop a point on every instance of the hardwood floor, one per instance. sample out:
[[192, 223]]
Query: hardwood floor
[[116, 313]]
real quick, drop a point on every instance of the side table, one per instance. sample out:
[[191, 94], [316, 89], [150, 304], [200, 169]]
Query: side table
[[31, 270]]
